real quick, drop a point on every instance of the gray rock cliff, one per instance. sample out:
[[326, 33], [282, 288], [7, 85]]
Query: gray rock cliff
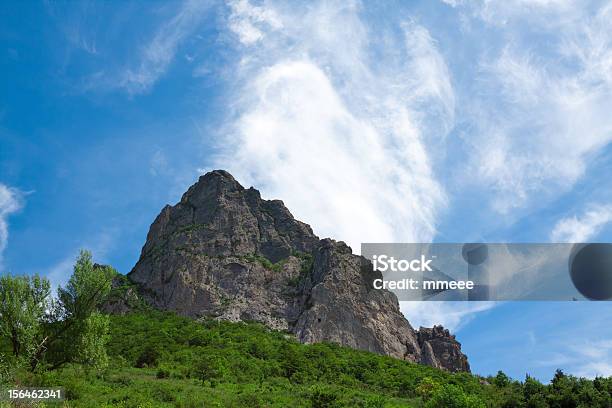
[[440, 349], [223, 251]]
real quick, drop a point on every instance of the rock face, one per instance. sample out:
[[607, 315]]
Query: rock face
[[440, 349], [223, 251]]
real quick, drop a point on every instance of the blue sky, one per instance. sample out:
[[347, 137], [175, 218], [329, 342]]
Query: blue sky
[[418, 121]]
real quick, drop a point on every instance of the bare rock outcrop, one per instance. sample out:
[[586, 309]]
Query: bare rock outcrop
[[440, 349], [223, 251]]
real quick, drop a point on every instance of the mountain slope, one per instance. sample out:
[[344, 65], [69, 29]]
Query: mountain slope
[[224, 252]]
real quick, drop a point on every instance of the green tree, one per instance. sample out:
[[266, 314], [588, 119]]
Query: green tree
[[62, 330], [564, 391], [23, 303], [78, 332], [501, 379], [210, 368], [534, 392], [91, 348]]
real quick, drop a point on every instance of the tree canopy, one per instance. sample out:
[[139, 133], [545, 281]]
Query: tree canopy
[[55, 330]]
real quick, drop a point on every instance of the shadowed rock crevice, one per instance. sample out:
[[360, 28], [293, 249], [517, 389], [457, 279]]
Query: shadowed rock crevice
[[223, 251]]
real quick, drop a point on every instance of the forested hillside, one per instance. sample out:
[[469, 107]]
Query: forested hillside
[[162, 360]]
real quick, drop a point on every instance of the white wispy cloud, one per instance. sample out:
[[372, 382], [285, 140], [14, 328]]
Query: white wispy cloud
[[334, 128], [549, 12], [152, 60], [158, 54], [538, 118], [582, 228], [588, 358], [451, 315], [11, 201], [246, 18], [158, 164]]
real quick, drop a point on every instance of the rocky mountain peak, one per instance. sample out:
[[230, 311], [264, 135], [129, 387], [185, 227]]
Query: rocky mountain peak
[[216, 183], [219, 217], [225, 252]]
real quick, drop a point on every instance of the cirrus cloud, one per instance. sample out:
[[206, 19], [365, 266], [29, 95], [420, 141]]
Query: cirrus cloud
[[582, 228]]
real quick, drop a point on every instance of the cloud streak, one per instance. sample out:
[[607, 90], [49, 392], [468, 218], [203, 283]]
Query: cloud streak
[[589, 358], [245, 20], [159, 53], [11, 201], [451, 315], [582, 228], [152, 60]]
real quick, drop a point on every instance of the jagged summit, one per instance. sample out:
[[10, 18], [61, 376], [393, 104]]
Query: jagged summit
[[223, 251], [217, 216], [216, 182]]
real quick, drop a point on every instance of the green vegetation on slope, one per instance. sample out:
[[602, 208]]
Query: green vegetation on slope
[[160, 359]]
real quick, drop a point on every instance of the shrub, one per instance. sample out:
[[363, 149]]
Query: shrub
[[163, 373], [452, 396], [322, 397], [427, 386], [148, 357], [209, 368], [375, 401]]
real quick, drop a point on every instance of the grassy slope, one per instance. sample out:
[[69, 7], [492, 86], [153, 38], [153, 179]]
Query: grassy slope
[[160, 359]]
